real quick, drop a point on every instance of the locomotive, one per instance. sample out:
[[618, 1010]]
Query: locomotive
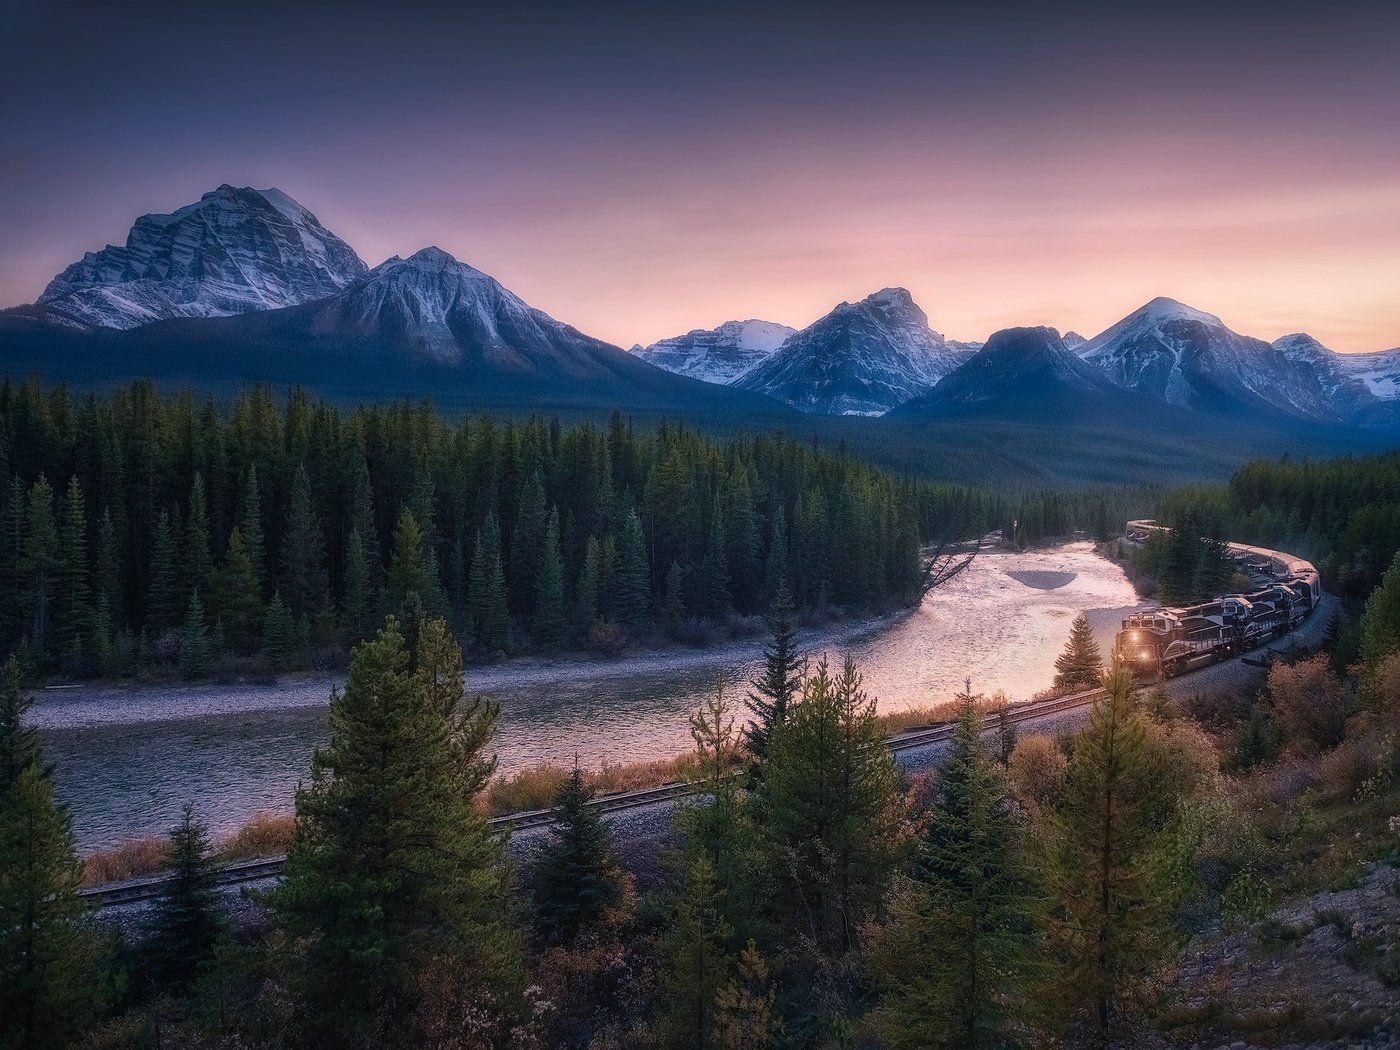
[[1167, 642]]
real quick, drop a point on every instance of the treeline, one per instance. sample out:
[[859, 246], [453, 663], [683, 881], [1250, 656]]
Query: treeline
[[139, 528], [1343, 514]]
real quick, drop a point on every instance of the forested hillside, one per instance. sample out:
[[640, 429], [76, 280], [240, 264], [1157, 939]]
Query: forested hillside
[[140, 528], [1344, 514]]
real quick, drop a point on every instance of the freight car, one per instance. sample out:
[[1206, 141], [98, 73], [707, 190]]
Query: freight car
[[1166, 642]]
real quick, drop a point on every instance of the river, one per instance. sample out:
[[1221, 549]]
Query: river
[[129, 757]]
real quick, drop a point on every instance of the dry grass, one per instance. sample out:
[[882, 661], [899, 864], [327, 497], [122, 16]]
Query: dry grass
[[895, 722], [265, 835], [130, 860], [537, 787]]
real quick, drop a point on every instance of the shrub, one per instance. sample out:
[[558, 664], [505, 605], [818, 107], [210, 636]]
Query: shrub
[[1256, 742], [1310, 703], [265, 835], [1036, 769], [129, 860]]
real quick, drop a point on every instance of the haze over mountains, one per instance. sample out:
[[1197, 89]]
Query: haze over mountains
[[248, 285]]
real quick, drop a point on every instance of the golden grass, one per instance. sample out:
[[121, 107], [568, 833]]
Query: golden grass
[[130, 860], [537, 787], [265, 835], [896, 722]]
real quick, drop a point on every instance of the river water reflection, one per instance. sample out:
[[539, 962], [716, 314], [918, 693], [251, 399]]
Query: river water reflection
[[129, 758]]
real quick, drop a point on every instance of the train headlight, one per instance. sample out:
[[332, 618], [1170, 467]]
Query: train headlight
[[1146, 654]]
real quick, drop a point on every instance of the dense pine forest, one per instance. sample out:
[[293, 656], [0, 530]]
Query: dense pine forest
[[143, 530]]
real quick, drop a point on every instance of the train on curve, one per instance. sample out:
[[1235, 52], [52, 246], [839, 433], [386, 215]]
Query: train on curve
[[1166, 642]]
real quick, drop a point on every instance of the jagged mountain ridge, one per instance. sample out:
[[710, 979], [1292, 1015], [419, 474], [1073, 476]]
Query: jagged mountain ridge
[[1186, 357], [716, 355], [233, 251], [862, 358]]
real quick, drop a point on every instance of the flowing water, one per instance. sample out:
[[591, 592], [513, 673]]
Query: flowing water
[[128, 758]]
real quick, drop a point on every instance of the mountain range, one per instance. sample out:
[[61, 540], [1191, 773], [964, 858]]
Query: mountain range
[[248, 285]]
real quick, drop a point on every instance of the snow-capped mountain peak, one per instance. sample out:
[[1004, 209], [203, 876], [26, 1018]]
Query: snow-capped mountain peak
[[862, 358], [716, 355], [233, 251]]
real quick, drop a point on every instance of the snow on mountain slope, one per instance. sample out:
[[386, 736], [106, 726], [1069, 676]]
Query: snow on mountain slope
[[1379, 371], [1183, 356], [716, 355], [860, 359], [234, 251]]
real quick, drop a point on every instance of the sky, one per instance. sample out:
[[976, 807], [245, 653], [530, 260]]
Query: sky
[[641, 170]]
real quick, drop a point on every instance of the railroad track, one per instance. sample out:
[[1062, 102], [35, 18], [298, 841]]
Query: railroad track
[[246, 871], [240, 872]]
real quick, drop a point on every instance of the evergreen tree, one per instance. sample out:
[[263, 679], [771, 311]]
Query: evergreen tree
[[73, 612], [831, 810], [953, 960], [775, 568], [746, 1015], [1112, 887], [699, 961], [407, 585], [490, 614], [394, 877], [279, 631], [198, 564], [673, 603], [578, 885], [1380, 624], [50, 988], [714, 569], [1080, 665], [41, 565], [240, 608], [525, 543], [633, 576], [12, 615], [773, 692], [549, 588], [359, 601], [186, 920], [303, 553], [196, 648], [109, 567], [588, 594], [252, 525], [163, 597]]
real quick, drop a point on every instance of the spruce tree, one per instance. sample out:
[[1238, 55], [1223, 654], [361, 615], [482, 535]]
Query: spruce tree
[[633, 576], [164, 602], [394, 877], [41, 565], [14, 507], [673, 602], [577, 884], [831, 810], [407, 582], [50, 987], [954, 958], [1108, 864], [1080, 665], [240, 607], [109, 569], [489, 609], [74, 613], [549, 588], [773, 692], [186, 920], [699, 961], [303, 553], [588, 594], [196, 648], [359, 590], [525, 542], [279, 631], [252, 525], [714, 568], [1380, 624], [198, 561]]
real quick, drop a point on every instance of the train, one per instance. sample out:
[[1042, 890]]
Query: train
[[1167, 642]]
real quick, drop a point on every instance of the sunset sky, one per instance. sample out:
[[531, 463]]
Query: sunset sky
[[637, 172]]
